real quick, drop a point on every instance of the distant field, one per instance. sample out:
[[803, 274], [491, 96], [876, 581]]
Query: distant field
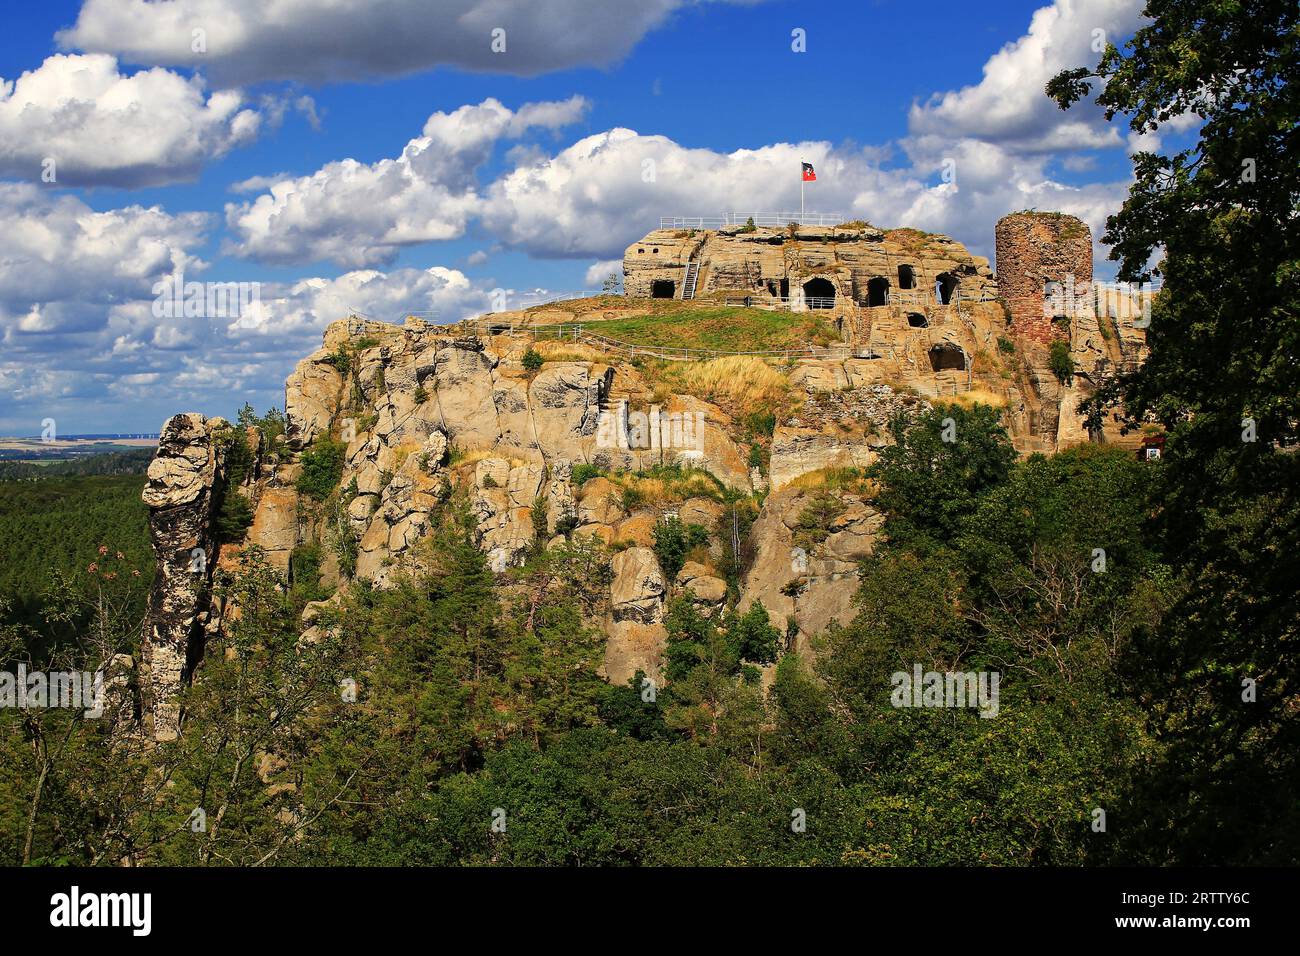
[[68, 449], [133, 461], [725, 329]]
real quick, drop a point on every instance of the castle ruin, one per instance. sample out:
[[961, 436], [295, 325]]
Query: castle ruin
[[917, 309], [1038, 254]]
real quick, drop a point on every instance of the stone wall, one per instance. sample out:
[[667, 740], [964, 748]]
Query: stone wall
[[1034, 248], [768, 263]]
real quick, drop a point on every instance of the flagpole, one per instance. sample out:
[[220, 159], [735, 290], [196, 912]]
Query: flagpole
[[801, 184]]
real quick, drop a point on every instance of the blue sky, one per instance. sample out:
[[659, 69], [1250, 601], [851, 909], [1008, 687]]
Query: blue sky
[[530, 172]]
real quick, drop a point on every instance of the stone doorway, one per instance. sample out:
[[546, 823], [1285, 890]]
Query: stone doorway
[[819, 293]]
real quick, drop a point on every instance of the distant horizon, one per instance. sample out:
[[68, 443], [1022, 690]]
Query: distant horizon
[[284, 196], [89, 437]]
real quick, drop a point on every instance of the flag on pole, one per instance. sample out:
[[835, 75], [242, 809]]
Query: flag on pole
[[809, 176]]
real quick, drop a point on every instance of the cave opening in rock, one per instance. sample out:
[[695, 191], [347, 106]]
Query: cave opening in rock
[[878, 291], [945, 284], [819, 293], [663, 289], [917, 321], [946, 356], [906, 277]]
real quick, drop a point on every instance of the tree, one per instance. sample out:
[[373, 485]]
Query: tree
[[322, 467], [673, 541], [234, 515], [938, 467], [753, 636], [1061, 362], [1223, 379]]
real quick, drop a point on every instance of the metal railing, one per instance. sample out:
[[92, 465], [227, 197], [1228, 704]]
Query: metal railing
[[770, 219], [534, 300], [785, 303], [915, 298], [924, 298]]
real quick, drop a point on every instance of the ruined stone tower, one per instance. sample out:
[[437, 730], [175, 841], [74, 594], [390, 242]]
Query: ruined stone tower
[[1033, 249]]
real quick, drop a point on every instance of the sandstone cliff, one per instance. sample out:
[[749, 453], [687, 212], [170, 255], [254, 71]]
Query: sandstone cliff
[[557, 447], [181, 491]]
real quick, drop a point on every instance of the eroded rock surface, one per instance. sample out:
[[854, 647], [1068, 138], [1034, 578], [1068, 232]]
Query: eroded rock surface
[[425, 411], [180, 490]]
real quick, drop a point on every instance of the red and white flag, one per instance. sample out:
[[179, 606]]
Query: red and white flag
[[809, 175]]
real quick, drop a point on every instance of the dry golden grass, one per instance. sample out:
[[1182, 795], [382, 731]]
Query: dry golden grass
[[847, 480], [663, 489], [464, 459], [739, 380], [557, 351], [976, 396]]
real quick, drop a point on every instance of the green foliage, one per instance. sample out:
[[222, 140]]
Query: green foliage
[[271, 425], [760, 424], [538, 514], [340, 359], [322, 468], [304, 572], [533, 360], [51, 530], [584, 472], [340, 536], [470, 695], [731, 531], [673, 541], [238, 456], [816, 518], [928, 484], [1222, 335], [734, 329], [421, 395], [1061, 362], [234, 516], [625, 709], [630, 497], [1006, 346], [753, 636], [132, 462]]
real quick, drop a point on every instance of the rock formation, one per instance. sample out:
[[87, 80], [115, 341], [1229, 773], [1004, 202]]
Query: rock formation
[[181, 494], [423, 412]]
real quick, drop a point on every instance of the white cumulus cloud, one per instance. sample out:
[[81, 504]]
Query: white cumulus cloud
[[99, 126], [358, 215], [246, 41], [1009, 107], [62, 264]]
